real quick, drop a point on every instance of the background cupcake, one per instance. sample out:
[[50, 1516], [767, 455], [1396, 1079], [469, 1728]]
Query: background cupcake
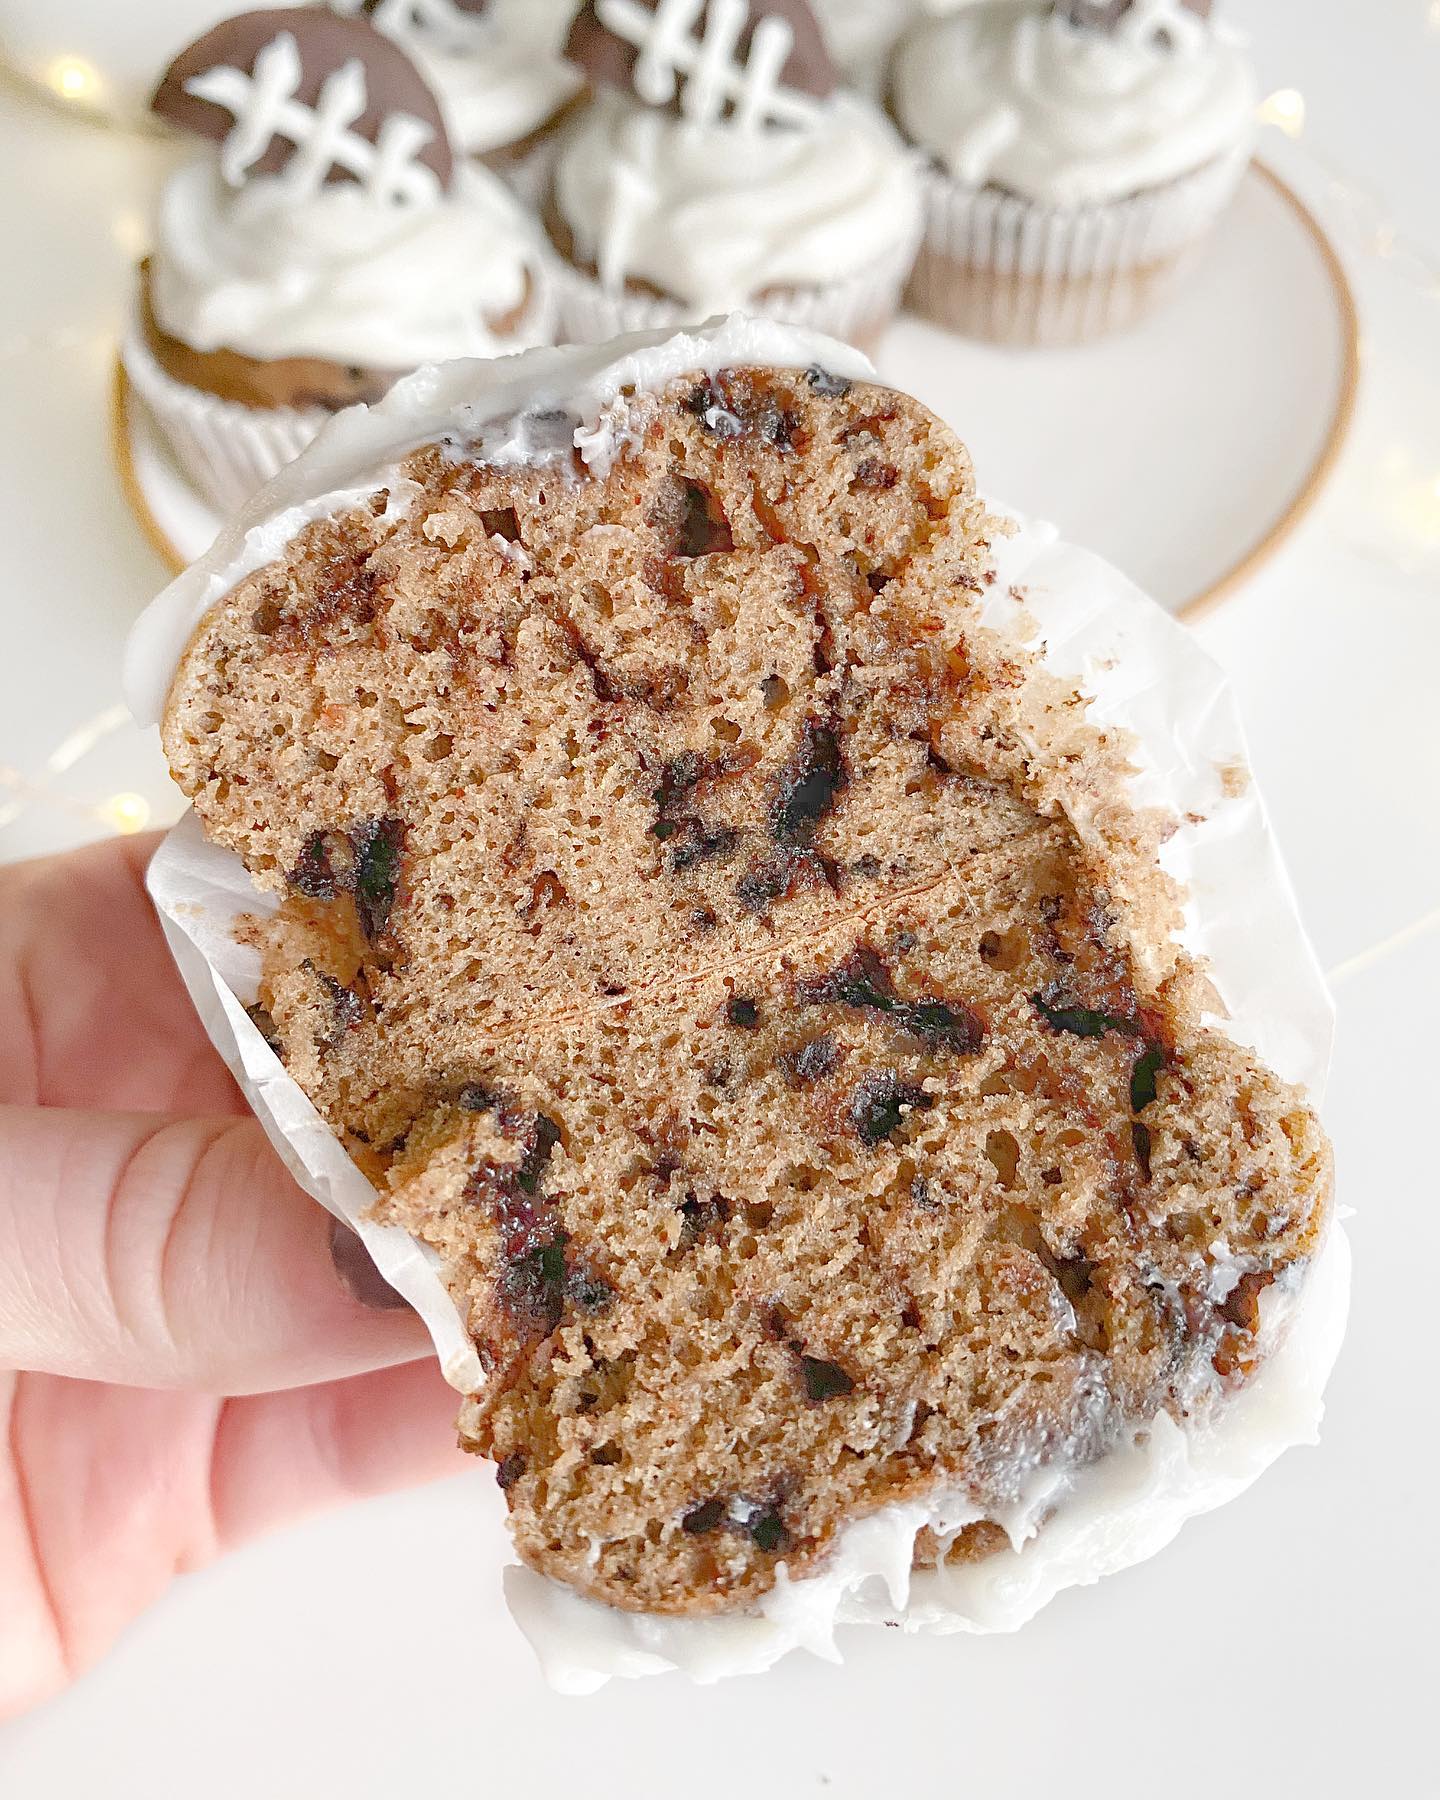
[[331, 245], [1079, 153], [719, 166], [496, 66]]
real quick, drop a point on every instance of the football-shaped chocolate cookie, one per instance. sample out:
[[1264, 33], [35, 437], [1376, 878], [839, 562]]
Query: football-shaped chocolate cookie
[[611, 37], [326, 44]]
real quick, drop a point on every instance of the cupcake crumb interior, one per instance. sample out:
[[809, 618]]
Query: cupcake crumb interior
[[685, 923]]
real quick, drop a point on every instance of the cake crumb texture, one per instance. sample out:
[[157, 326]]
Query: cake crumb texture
[[747, 972]]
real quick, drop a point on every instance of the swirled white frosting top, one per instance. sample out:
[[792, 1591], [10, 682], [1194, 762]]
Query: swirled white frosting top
[[714, 216], [502, 79], [338, 274], [1019, 98]]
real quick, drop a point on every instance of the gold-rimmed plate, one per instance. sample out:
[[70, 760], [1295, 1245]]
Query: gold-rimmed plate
[[1185, 450]]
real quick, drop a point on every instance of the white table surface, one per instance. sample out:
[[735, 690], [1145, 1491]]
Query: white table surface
[[1286, 1644]]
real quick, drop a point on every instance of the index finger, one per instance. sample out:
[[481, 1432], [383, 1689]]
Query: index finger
[[96, 1013]]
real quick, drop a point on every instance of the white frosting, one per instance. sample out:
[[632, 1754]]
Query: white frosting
[[498, 75], [1147, 675], [1019, 98], [714, 216], [860, 35], [500, 98], [336, 274], [499, 406]]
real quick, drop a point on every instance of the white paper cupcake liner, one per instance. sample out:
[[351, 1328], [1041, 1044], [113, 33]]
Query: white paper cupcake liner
[[856, 309], [995, 265], [226, 450]]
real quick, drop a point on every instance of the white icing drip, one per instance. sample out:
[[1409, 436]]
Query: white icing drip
[[264, 106], [502, 403], [716, 217], [269, 273], [1015, 96]]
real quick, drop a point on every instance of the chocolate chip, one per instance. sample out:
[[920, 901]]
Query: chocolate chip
[[700, 1217], [508, 1471], [874, 474], [694, 521], [532, 1286], [826, 384], [315, 874], [347, 1009], [1061, 1014], [707, 403], [785, 873], [864, 983], [815, 1060], [700, 844], [708, 1516], [1140, 1138], [744, 1013], [824, 1380], [809, 785], [260, 1018], [1142, 1077], [587, 1293], [379, 846], [767, 1531], [545, 1135], [879, 1105]]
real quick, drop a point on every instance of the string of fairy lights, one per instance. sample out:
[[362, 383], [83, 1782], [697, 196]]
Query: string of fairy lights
[[1357, 217]]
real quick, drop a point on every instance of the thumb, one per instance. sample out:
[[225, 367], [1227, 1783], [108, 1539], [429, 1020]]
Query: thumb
[[174, 1253]]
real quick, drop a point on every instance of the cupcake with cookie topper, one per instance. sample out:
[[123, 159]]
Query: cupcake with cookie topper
[[329, 243], [717, 166], [496, 66], [1079, 153]]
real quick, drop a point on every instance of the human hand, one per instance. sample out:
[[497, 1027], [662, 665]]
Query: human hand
[[184, 1358]]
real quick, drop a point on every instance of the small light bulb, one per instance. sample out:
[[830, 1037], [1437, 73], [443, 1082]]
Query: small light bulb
[[1285, 109], [126, 813], [74, 79]]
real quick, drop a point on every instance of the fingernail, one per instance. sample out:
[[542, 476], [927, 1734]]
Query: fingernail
[[358, 1275]]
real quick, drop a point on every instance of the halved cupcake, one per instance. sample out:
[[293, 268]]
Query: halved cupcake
[[749, 974]]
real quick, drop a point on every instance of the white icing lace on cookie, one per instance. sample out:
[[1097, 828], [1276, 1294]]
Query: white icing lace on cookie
[[714, 75], [264, 106]]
